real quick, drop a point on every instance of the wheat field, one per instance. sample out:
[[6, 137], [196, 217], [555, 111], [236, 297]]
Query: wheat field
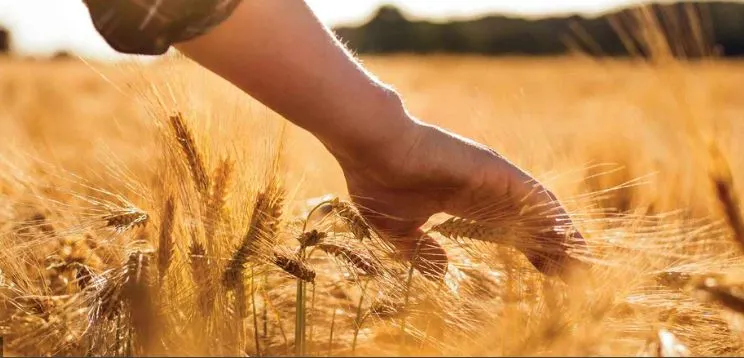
[[152, 209]]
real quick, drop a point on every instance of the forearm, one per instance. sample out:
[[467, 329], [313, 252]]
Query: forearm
[[279, 53]]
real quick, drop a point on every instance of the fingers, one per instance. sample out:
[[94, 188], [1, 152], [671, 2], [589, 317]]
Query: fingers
[[506, 196], [425, 253], [549, 252]]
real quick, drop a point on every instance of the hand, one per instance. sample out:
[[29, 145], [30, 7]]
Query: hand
[[399, 171], [429, 171]]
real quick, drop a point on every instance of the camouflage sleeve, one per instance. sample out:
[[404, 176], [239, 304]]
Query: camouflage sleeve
[[150, 27]]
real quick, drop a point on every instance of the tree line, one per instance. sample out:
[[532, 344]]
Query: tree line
[[689, 29]]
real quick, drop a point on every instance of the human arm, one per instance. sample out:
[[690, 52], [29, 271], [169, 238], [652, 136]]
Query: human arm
[[398, 169], [279, 53]]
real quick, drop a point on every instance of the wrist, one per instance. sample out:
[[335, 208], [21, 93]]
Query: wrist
[[380, 134]]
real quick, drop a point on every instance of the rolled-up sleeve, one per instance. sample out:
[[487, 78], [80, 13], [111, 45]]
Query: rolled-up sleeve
[[150, 27]]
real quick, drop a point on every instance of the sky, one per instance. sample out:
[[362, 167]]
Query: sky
[[42, 27]]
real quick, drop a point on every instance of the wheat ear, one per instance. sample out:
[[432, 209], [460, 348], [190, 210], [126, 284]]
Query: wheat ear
[[311, 238], [356, 258], [723, 183], [274, 214], [247, 246], [456, 228], [200, 269], [190, 151], [729, 201], [353, 218], [166, 243], [216, 202], [261, 233], [294, 267], [44, 225], [125, 219]]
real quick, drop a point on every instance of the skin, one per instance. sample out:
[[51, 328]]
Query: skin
[[398, 169]]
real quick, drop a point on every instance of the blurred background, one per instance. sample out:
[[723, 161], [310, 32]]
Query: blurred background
[[55, 28]]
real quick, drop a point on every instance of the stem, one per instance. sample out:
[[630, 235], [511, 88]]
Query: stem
[[300, 295], [312, 314], [118, 334], [255, 316], [407, 297], [265, 310], [310, 213], [240, 311], [330, 339], [358, 320], [428, 321], [277, 317], [300, 314], [130, 350]]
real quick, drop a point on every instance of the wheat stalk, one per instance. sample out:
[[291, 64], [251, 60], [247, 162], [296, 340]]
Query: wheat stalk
[[330, 336], [256, 339], [359, 318], [407, 296]]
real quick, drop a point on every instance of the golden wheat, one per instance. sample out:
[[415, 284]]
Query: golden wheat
[[294, 266], [216, 202], [249, 244], [126, 219], [354, 256], [166, 244], [353, 218], [70, 287], [190, 151]]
